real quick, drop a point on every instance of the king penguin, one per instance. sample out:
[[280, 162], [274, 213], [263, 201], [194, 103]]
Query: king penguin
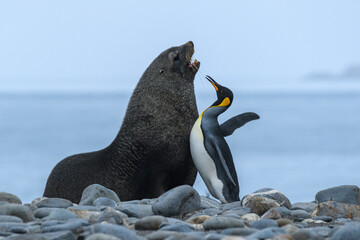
[[210, 152]]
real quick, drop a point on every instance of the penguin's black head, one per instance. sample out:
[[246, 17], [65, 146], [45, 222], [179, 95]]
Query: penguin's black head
[[224, 95]]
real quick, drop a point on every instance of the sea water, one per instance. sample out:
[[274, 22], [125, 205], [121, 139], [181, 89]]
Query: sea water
[[302, 143]]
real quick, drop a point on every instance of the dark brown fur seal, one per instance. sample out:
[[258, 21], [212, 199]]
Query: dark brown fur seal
[[151, 153]]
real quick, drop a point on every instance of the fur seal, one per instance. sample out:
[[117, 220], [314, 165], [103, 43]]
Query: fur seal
[[210, 152], [151, 152]]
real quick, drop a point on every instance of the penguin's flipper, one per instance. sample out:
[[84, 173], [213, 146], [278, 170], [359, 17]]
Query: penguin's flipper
[[228, 127], [223, 162]]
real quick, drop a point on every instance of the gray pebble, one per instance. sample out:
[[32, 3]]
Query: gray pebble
[[103, 201], [271, 214], [264, 223], [17, 210], [84, 208], [177, 228], [177, 201], [222, 223], [9, 226], [260, 204], [337, 210], [239, 231], [284, 212], [215, 236], [42, 212], [276, 195], [349, 194], [212, 211], [240, 211], [299, 215], [307, 206], [266, 233], [70, 225], [54, 203], [6, 218], [164, 235], [323, 218], [101, 236], [94, 191], [63, 235], [109, 215], [136, 210], [114, 230], [10, 198], [228, 206], [305, 234], [150, 223], [350, 231], [60, 214]]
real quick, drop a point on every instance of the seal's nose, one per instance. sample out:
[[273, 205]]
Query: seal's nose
[[190, 43]]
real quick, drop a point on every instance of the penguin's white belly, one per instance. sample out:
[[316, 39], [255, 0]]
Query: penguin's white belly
[[204, 163]]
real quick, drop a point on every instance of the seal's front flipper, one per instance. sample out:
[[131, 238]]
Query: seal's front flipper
[[228, 127]]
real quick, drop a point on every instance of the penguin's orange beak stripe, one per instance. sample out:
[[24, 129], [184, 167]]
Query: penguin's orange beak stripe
[[216, 88]]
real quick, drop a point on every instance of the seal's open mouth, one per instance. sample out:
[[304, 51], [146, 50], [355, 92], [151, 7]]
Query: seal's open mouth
[[194, 65]]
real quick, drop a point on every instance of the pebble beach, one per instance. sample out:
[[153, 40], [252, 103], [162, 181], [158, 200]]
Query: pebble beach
[[181, 213]]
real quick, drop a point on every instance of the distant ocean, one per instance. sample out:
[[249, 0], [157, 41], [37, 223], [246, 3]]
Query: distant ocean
[[303, 143]]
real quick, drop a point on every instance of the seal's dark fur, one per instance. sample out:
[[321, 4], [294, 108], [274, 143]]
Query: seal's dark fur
[[151, 152]]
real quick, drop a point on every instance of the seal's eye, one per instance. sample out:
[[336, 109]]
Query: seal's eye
[[174, 56]]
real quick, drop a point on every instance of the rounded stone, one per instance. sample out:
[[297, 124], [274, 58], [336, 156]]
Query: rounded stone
[[60, 214], [17, 210], [350, 231], [114, 230], [54, 203], [136, 210], [150, 223], [70, 225], [290, 228], [179, 227], [176, 201], [250, 217], [63, 235], [349, 194], [307, 206], [239, 231], [198, 219], [222, 222], [101, 236], [103, 201], [337, 210], [94, 191], [270, 193], [5, 218], [267, 233], [10, 198], [271, 214], [299, 215], [264, 223], [260, 205], [232, 205], [283, 221], [42, 212]]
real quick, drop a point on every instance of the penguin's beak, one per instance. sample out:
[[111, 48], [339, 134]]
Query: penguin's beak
[[213, 82]]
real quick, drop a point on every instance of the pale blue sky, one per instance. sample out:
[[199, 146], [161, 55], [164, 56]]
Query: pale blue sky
[[75, 43]]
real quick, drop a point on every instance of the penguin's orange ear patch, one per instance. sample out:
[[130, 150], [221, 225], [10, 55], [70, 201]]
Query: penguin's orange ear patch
[[225, 102]]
